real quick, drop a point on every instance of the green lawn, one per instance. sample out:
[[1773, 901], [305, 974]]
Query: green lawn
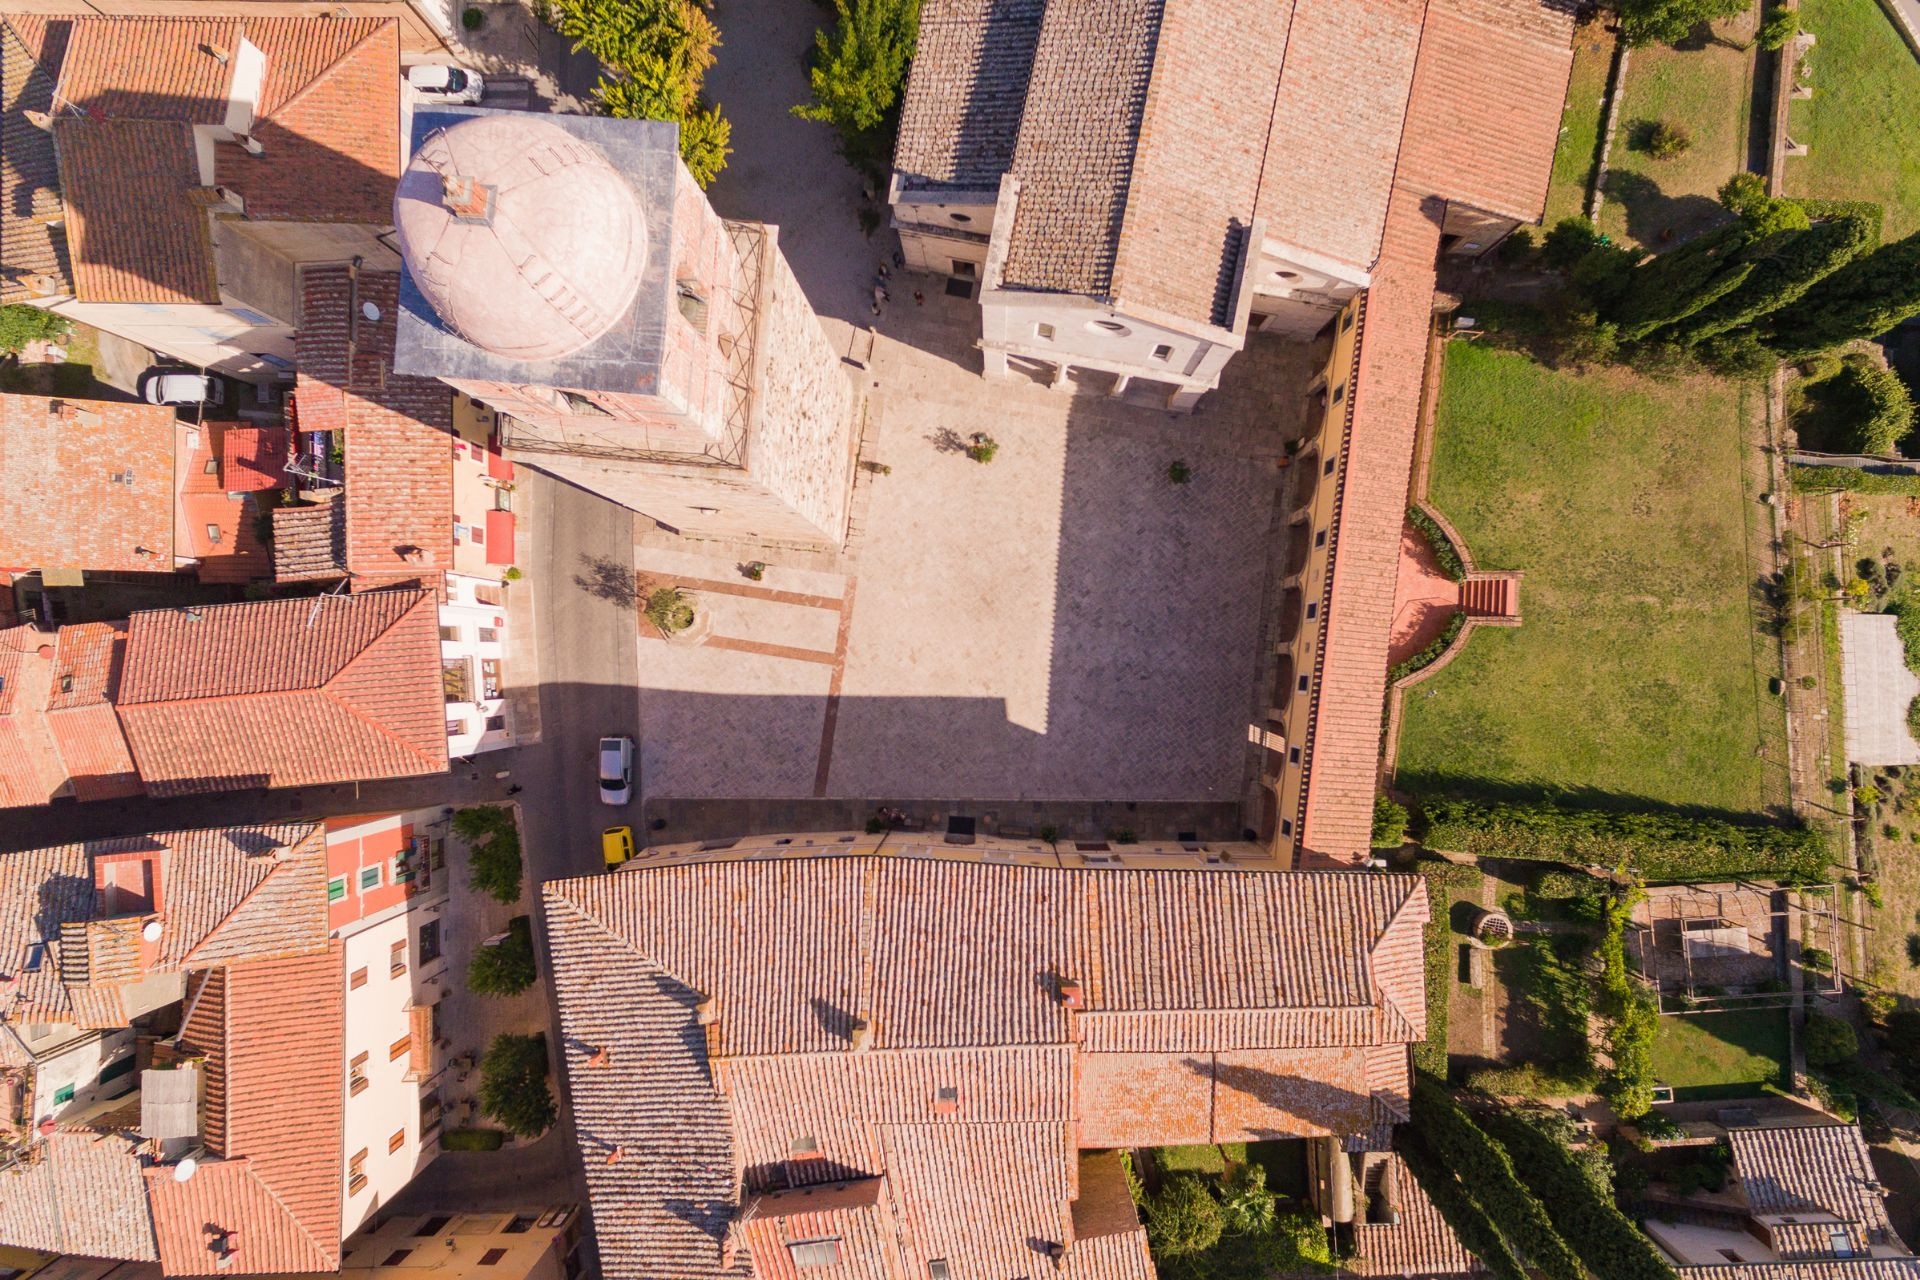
[[1721, 1055], [1705, 91], [1634, 672], [1580, 124], [1862, 126]]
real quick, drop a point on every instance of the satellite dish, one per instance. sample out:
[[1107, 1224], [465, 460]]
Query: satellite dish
[[151, 931], [370, 311], [184, 1170]]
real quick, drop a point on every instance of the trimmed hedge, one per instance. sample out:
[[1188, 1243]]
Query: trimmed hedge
[[1483, 1166], [1431, 654], [472, 1139], [1468, 1220], [1445, 554], [1811, 479], [1606, 1240], [1430, 1055], [1655, 846], [1550, 1082]]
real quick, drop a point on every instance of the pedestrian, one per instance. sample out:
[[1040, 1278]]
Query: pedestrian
[[515, 789], [884, 273], [899, 259], [919, 298]]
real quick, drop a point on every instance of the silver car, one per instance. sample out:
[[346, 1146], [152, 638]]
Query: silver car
[[454, 86], [616, 770]]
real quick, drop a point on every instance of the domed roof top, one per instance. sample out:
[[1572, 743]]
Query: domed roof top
[[523, 238]]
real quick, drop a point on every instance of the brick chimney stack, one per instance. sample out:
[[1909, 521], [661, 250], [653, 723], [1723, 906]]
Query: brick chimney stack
[[468, 200]]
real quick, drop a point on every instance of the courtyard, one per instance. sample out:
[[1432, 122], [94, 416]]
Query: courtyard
[[1640, 672], [1064, 623]]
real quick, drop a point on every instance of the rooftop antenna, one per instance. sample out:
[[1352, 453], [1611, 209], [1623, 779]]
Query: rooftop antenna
[[321, 599]]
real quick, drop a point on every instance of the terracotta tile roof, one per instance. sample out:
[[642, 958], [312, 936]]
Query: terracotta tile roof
[[30, 768], [86, 678], [1420, 1244], [83, 1194], [137, 223], [853, 1213], [280, 693], [1325, 189], [1820, 1171], [32, 240], [1811, 1269], [330, 122], [252, 458], [949, 988], [151, 68], [966, 91], [1075, 149], [86, 484], [274, 1032], [399, 446], [310, 542], [1488, 91], [217, 514]]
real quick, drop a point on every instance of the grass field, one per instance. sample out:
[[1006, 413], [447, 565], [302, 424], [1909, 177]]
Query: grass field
[[1580, 124], [1721, 1055], [1707, 91], [1636, 671], [1862, 126]]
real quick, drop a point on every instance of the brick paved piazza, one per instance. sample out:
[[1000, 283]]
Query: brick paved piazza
[[1063, 623]]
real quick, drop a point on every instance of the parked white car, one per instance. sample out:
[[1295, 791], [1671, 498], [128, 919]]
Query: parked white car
[[616, 770], [181, 386], [454, 86]]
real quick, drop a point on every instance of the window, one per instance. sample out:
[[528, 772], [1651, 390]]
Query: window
[[1293, 755], [964, 268], [477, 536], [450, 634], [114, 1070], [693, 305], [213, 534], [962, 218], [1313, 610], [496, 722], [456, 727], [1163, 351], [1111, 328], [1842, 1243], [937, 1270], [212, 468], [804, 1147], [397, 1141], [336, 888], [583, 405], [359, 978], [815, 1253], [433, 1226], [63, 1094], [357, 1172], [397, 1257], [370, 877], [946, 1101], [1044, 332], [1328, 469], [357, 1075], [489, 635], [1286, 826], [518, 1225], [398, 1049], [1340, 393], [491, 1257], [66, 684], [1303, 684], [1346, 321], [397, 959], [429, 942], [1320, 538]]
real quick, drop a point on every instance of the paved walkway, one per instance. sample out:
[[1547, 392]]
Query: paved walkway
[[1424, 598]]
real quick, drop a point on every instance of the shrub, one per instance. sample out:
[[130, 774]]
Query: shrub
[[1583, 1213], [1547, 1081], [1743, 193], [493, 848], [669, 610], [1577, 337], [1657, 846], [754, 570], [1390, 822], [1670, 21], [1889, 407], [858, 71], [1913, 718], [471, 1139], [1559, 885], [1816, 958], [1179, 472], [1431, 654], [507, 967], [1567, 243], [1482, 1164], [982, 447], [1830, 1041], [1517, 248], [656, 52], [1668, 141], [20, 325], [513, 1084], [1661, 360], [1802, 478], [471, 18], [1184, 1218], [1444, 552], [1779, 27]]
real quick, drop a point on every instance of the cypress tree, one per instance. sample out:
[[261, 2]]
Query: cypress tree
[[1672, 286], [1863, 299], [1806, 258]]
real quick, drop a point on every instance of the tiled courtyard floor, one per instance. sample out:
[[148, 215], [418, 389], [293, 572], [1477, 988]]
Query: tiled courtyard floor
[[1424, 597], [1064, 623]]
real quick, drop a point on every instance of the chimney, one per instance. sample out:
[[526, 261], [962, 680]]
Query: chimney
[[861, 1037], [251, 145], [215, 52], [1071, 994], [600, 1058], [707, 1012], [469, 201], [946, 1102]]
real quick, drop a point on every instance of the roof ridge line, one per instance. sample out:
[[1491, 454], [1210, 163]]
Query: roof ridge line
[[222, 922], [1147, 99], [327, 71]]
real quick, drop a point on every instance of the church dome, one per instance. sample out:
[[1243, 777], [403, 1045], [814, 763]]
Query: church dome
[[523, 238]]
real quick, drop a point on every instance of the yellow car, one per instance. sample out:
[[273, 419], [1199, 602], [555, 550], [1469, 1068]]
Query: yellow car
[[616, 845]]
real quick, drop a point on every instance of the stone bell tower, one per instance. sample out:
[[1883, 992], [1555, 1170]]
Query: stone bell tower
[[568, 272]]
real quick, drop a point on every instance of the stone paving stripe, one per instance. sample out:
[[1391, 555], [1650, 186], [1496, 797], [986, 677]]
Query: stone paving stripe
[[756, 593], [830, 722], [770, 650]]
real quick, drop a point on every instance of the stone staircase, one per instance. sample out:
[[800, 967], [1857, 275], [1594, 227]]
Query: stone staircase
[[1491, 597]]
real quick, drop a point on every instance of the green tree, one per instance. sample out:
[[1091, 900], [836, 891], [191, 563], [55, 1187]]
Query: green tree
[[1800, 261], [513, 1084], [1743, 192], [1567, 242], [1184, 1218], [858, 70], [1669, 287], [507, 967], [656, 53], [1863, 299], [20, 325], [493, 848], [1668, 21], [1830, 1041], [1779, 26], [1389, 823]]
